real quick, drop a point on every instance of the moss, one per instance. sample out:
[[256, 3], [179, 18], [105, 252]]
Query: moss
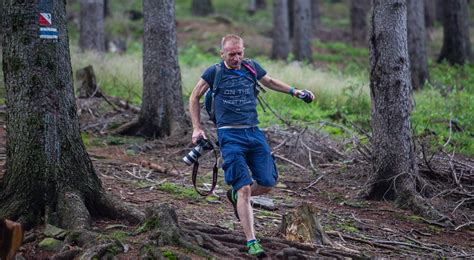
[[349, 227], [168, 254]]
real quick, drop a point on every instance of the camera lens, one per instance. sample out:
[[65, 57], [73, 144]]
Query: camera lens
[[192, 156]]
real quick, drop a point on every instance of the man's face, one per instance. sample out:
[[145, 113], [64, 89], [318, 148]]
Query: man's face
[[233, 53]]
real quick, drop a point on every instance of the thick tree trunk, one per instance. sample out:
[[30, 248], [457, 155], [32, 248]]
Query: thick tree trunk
[[92, 32], [417, 43], [358, 10], [439, 11], [281, 31], [49, 175], [315, 15], [456, 43], [162, 111], [430, 13], [394, 162], [302, 30], [201, 7]]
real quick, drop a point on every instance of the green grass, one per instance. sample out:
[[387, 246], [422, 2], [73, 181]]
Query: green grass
[[181, 191]]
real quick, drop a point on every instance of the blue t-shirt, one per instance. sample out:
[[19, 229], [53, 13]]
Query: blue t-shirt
[[235, 98]]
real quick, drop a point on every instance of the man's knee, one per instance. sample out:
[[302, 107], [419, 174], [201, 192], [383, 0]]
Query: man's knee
[[245, 192]]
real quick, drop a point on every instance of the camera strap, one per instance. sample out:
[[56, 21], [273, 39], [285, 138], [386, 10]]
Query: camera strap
[[214, 176]]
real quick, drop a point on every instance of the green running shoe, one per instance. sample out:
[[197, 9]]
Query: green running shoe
[[232, 196], [255, 249]]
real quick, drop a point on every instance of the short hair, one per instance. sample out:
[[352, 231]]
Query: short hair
[[230, 37]]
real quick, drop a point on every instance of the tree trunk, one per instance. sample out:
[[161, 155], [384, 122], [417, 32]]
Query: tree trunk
[[315, 15], [417, 43], [291, 17], [281, 31], [106, 8], [359, 28], [302, 30], [394, 162], [92, 32], [430, 13], [162, 110], [439, 12], [49, 176], [456, 43], [255, 5], [201, 7]]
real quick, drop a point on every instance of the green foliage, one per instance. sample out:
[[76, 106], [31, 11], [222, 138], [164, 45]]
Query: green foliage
[[181, 191], [348, 226], [168, 254], [119, 235], [449, 98]]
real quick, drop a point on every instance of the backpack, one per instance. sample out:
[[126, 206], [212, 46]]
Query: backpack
[[211, 92]]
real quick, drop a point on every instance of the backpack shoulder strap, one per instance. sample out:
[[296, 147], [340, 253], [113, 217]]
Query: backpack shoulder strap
[[217, 77], [250, 65]]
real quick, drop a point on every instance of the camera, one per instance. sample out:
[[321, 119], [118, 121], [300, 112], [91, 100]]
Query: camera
[[306, 96], [203, 145]]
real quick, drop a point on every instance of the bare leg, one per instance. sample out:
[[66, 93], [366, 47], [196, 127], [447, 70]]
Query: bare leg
[[259, 190], [245, 211]]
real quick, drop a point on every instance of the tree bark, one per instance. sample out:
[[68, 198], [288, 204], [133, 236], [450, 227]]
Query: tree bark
[[162, 110], [315, 15], [456, 42], [394, 162], [358, 10], [291, 16], [201, 7], [302, 30], [417, 43], [92, 32], [439, 12], [430, 13], [281, 30], [49, 175]]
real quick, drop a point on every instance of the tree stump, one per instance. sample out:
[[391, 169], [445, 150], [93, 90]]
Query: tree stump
[[303, 225], [87, 83]]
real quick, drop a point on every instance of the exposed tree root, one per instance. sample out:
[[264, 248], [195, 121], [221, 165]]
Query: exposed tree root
[[209, 241]]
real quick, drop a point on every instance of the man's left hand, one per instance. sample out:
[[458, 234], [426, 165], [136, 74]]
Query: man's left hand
[[301, 94]]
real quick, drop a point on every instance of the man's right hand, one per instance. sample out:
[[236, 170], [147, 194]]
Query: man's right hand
[[198, 133]]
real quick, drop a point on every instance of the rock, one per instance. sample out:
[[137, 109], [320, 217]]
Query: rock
[[262, 202], [54, 232], [51, 244]]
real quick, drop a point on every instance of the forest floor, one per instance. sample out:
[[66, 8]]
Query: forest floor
[[145, 172]]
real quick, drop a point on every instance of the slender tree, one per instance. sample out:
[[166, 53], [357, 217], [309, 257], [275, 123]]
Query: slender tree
[[254, 5], [395, 168], [49, 176], [92, 32], [281, 31], [358, 11], [291, 17], [302, 30], [456, 42], [315, 15], [417, 43], [201, 7]]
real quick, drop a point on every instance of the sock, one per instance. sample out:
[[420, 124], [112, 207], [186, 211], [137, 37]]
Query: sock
[[251, 242]]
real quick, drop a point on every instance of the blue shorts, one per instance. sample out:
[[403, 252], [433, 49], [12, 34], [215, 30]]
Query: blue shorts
[[244, 149]]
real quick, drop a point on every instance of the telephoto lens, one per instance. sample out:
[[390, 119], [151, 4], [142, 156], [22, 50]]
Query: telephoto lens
[[203, 145], [306, 96]]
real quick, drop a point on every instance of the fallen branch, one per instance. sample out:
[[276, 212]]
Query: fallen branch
[[289, 161]]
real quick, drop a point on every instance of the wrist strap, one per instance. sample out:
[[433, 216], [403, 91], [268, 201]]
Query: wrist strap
[[292, 91]]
